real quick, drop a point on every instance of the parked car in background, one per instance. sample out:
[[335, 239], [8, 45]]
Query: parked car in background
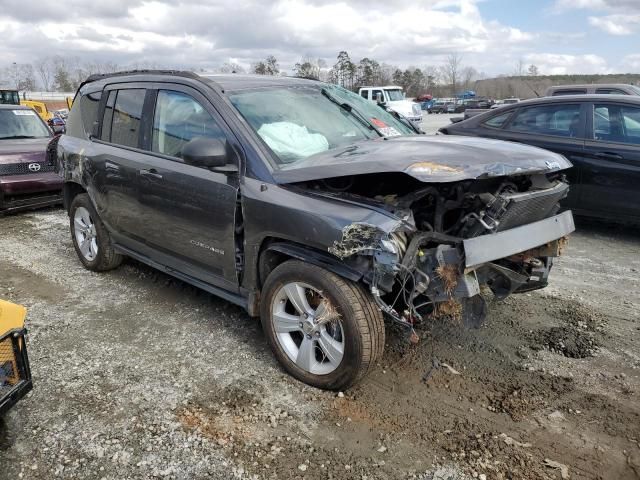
[[425, 97], [306, 204], [593, 89], [63, 113], [457, 107], [393, 97], [57, 124], [439, 106], [27, 178], [599, 134]]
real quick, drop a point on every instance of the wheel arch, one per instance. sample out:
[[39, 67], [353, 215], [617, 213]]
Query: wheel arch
[[71, 190], [275, 251]]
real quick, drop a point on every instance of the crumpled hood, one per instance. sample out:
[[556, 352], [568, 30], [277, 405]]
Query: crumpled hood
[[441, 158], [23, 150]]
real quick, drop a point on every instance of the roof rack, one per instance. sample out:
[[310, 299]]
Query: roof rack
[[99, 76]]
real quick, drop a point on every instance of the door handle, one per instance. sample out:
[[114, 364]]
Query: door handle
[[608, 156], [152, 172]]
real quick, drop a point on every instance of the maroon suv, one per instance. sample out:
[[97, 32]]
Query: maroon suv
[[27, 179]]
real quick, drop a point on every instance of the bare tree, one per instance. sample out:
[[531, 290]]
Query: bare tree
[[532, 70], [44, 67], [451, 70], [469, 75], [519, 69], [231, 67]]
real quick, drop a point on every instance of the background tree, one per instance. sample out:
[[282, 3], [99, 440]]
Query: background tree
[[451, 71], [268, 66], [307, 67], [532, 70], [231, 67]]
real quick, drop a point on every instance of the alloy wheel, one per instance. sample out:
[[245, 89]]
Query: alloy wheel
[[308, 328], [85, 233]]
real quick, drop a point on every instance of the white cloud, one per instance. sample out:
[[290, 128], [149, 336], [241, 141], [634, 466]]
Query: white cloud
[[616, 24], [619, 17], [204, 33], [559, 64]]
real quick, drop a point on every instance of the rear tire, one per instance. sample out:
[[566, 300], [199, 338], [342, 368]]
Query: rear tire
[[332, 355], [90, 237]]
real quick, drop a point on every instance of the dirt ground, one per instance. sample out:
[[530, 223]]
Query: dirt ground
[[138, 375]]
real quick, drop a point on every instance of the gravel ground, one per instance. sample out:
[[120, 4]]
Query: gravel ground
[[138, 375]]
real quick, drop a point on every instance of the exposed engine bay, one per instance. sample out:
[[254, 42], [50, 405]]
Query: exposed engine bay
[[452, 239]]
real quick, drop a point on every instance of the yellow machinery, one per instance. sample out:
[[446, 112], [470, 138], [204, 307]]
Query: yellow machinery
[[15, 375], [40, 108]]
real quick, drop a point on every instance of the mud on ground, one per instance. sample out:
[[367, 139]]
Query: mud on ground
[[138, 375]]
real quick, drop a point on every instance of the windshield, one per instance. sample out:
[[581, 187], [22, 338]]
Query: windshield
[[635, 89], [395, 95], [21, 123], [299, 121], [510, 101]]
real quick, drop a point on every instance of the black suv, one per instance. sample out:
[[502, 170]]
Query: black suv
[[307, 205]]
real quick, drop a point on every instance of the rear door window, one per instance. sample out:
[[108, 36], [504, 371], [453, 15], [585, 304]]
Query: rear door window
[[616, 123], [560, 120], [107, 117], [127, 112]]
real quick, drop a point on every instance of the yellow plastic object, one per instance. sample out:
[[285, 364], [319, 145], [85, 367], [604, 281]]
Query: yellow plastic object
[[69, 101], [11, 316]]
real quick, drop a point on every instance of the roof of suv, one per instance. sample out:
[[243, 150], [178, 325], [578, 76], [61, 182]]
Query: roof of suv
[[226, 82]]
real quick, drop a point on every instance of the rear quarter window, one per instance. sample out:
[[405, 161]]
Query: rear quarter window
[[498, 121], [83, 116]]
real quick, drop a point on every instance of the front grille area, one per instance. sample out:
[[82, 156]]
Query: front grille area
[[23, 168], [532, 206]]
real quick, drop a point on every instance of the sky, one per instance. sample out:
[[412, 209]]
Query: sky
[[558, 36]]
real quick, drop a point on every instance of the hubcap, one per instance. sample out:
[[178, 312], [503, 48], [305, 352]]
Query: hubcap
[[308, 328], [85, 233]]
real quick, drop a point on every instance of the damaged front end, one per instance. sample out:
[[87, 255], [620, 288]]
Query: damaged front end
[[453, 239]]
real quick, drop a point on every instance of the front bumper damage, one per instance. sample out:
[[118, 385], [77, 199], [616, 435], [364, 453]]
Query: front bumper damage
[[417, 275]]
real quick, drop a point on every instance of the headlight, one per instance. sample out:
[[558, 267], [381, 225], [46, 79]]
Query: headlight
[[417, 110]]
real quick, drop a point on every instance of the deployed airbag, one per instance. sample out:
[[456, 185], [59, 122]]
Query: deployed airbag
[[291, 141]]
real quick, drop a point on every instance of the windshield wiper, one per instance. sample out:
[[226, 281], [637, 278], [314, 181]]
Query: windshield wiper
[[352, 110], [15, 137], [402, 119]]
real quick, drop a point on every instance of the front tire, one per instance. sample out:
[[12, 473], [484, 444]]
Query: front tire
[[90, 237], [325, 331]]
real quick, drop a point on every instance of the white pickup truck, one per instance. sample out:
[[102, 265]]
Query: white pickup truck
[[393, 97]]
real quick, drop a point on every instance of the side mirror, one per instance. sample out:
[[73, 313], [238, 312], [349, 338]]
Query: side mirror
[[379, 98], [205, 152]]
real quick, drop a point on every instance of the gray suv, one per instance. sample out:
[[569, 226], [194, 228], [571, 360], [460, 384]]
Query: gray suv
[[309, 206]]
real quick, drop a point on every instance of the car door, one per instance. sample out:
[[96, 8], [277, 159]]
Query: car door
[[611, 170], [116, 159], [558, 127], [187, 212]]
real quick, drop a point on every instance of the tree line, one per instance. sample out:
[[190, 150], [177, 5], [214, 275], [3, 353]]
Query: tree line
[[59, 73]]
